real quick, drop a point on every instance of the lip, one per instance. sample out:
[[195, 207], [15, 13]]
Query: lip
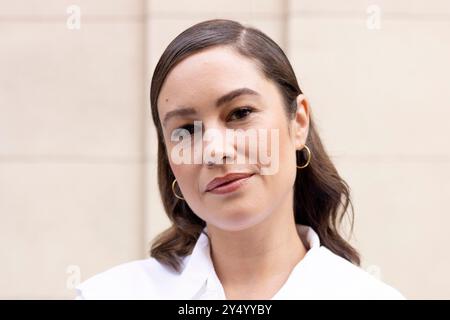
[[227, 183]]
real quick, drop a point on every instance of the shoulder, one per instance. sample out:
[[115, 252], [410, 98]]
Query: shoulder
[[343, 280], [140, 279]]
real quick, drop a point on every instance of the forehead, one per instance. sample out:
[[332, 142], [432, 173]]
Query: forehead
[[205, 75]]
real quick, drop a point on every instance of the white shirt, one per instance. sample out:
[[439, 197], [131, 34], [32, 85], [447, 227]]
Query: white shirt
[[321, 274]]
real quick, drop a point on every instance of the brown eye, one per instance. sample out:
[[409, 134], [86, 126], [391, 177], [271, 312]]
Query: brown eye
[[240, 113]]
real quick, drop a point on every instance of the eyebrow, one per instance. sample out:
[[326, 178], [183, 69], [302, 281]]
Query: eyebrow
[[186, 111]]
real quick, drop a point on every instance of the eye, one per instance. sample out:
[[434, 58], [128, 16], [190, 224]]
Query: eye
[[189, 127], [240, 113]]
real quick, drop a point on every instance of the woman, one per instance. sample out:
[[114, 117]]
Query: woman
[[240, 229]]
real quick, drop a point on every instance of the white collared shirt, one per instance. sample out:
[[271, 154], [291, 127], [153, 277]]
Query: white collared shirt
[[321, 274]]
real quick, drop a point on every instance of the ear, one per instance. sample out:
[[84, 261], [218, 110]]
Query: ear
[[301, 121]]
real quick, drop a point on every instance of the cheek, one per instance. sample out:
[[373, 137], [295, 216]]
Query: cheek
[[282, 180], [186, 180], [277, 145]]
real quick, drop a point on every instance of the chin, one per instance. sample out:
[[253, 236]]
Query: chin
[[238, 221]]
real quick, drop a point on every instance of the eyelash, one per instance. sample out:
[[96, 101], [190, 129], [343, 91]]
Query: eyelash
[[190, 127]]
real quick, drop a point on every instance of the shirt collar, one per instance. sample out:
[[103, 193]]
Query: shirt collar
[[199, 277], [309, 236]]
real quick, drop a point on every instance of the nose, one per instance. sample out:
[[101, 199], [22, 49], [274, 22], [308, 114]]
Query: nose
[[218, 147]]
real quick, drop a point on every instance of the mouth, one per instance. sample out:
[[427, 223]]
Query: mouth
[[229, 183]]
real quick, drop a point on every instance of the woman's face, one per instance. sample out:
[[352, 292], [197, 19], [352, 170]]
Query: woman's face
[[195, 85]]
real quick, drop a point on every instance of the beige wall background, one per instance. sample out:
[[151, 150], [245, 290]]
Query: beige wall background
[[78, 189]]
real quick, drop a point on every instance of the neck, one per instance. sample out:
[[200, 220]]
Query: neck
[[262, 254]]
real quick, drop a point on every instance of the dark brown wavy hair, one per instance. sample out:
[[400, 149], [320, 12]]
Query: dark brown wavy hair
[[321, 196]]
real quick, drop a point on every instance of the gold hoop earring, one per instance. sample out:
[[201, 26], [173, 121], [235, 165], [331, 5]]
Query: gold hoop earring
[[307, 161], [173, 190]]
